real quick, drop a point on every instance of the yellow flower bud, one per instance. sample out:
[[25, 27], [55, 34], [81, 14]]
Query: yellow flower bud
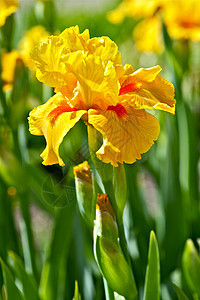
[[84, 191], [108, 253]]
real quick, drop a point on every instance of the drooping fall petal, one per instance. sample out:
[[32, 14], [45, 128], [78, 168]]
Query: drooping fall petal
[[53, 120], [125, 137], [150, 90]]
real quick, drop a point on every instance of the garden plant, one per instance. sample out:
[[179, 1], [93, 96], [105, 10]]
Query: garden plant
[[99, 150]]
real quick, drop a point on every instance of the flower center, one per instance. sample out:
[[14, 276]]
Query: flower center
[[119, 109]]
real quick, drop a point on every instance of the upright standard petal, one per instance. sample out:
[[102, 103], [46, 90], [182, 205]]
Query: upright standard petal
[[106, 49], [146, 89], [98, 84], [50, 55], [127, 133], [48, 58], [53, 120], [74, 39]]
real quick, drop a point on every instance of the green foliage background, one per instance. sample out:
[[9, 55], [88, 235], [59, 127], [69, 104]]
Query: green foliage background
[[45, 244]]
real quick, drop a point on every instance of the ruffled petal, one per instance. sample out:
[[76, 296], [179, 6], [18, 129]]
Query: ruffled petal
[[48, 57], [98, 84], [146, 75], [125, 137], [106, 49], [146, 89], [53, 120], [74, 39]]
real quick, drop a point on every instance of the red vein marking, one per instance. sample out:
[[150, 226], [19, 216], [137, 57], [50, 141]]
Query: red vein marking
[[119, 109], [58, 111], [129, 88]]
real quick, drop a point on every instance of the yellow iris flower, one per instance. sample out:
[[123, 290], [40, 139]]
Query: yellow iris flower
[[91, 84], [7, 7], [181, 23]]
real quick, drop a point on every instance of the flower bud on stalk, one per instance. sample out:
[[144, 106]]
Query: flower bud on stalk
[[108, 253], [84, 191]]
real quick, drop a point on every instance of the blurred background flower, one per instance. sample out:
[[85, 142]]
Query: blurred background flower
[[8, 7], [181, 24]]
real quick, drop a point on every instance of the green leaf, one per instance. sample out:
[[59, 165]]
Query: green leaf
[[11, 291], [77, 295], [179, 292], [152, 280], [28, 282], [191, 266], [54, 271]]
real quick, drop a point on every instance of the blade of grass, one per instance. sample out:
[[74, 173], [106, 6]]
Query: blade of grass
[[152, 279], [54, 266], [180, 293], [28, 282], [12, 292]]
